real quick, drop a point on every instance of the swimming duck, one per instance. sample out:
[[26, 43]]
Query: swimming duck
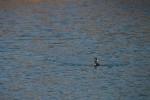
[[96, 63]]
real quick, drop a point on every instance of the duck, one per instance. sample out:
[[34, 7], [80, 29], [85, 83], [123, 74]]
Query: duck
[[96, 63]]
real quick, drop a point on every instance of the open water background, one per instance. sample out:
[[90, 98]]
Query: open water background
[[47, 49]]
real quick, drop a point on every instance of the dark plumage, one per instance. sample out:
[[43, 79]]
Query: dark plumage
[[96, 63]]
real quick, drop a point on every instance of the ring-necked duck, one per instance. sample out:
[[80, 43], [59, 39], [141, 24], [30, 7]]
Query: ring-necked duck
[[96, 63]]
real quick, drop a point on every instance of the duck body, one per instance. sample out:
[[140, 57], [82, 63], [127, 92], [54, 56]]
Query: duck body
[[96, 63]]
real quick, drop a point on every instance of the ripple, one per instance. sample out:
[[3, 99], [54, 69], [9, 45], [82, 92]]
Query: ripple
[[47, 50]]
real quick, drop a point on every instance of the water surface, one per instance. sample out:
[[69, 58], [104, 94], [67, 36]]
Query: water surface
[[47, 49]]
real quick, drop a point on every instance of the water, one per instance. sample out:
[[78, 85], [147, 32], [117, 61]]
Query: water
[[47, 50]]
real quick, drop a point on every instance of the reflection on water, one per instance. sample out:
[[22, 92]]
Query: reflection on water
[[47, 50]]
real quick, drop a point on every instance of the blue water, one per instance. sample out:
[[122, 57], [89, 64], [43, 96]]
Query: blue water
[[47, 50]]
